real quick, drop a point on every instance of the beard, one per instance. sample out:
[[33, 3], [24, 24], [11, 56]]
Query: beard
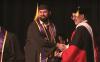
[[44, 19]]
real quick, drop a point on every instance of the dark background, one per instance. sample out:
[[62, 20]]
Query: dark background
[[15, 16]]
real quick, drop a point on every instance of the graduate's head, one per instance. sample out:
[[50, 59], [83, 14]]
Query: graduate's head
[[78, 16], [43, 12]]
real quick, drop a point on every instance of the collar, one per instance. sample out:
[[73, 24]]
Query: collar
[[84, 21]]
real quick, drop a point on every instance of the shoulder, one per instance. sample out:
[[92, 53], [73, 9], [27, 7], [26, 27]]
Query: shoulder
[[31, 25], [82, 30]]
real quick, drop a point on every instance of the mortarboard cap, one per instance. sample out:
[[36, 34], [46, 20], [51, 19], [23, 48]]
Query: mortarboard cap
[[42, 6]]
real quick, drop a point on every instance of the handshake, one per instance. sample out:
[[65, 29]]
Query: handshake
[[61, 47]]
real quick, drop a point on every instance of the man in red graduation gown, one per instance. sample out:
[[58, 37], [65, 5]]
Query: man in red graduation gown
[[81, 47]]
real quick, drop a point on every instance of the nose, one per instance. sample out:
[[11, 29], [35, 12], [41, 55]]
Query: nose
[[42, 13]]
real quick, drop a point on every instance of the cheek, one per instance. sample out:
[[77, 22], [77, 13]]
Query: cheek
[[46, 14], [76, 21], [39, 14], [73, 18]]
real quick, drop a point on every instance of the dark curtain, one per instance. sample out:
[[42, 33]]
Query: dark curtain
[[15, 15]]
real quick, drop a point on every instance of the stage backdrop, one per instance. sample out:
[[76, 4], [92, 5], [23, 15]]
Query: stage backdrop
[[17, 14]]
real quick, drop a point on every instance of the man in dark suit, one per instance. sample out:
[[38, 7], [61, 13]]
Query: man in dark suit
[[9, 47], [40, 37]]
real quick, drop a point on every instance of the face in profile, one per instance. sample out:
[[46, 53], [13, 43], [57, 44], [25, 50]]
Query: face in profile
[[43, 14], [77, 18]]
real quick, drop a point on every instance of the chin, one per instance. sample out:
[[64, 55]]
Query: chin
[[42, 18]]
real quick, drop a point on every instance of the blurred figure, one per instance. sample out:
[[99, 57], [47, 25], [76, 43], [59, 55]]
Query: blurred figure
[[9, 47], [81, 48], [41, 37]]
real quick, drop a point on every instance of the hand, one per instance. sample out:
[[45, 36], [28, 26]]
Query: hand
[[57, 54], [61, 46]]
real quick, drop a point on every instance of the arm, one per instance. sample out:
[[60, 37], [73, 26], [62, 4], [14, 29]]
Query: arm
[[34, 43]]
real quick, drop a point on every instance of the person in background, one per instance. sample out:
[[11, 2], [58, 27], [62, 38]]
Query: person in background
[[9, 47]]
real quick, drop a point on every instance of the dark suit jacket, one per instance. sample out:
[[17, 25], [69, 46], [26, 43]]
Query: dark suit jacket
[[34, 43]]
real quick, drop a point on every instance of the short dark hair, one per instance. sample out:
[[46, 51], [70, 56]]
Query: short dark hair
[[80, 9]]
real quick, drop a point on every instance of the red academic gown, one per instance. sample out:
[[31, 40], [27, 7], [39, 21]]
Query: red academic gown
[[81, 48]]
